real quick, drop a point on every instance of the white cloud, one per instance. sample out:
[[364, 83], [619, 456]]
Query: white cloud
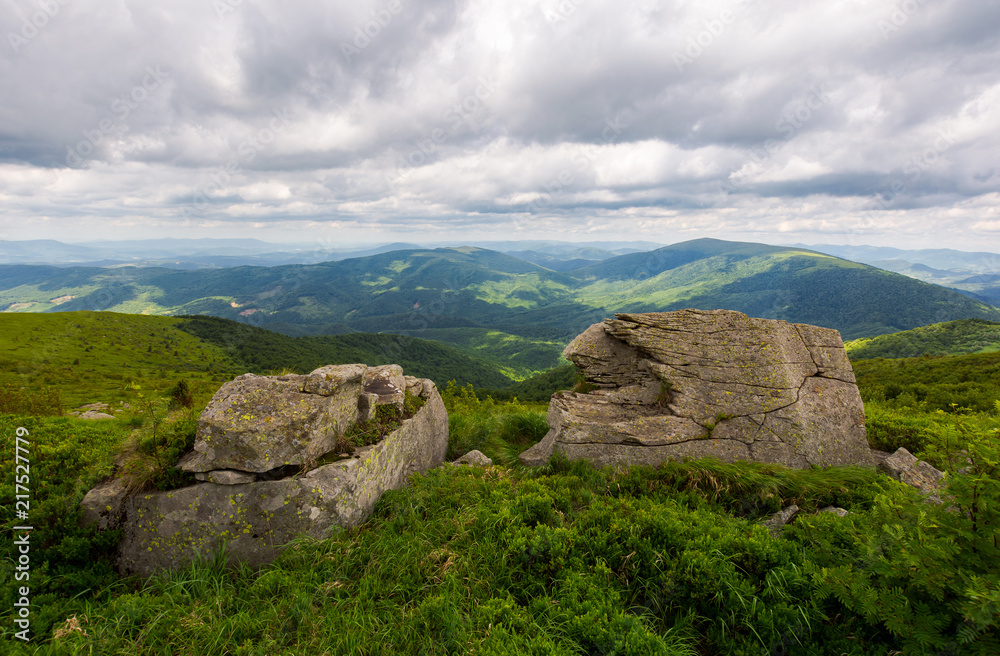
[[473, 117]]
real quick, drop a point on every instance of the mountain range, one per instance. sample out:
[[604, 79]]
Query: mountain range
[[508, 310]]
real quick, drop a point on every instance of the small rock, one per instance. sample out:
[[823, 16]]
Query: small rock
[[904, 467], [226, 477], [474, 458], [779, 519], [835, 510], [93, 414]]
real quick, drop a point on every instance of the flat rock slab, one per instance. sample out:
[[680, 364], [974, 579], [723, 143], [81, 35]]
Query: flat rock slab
[[692, 383], [254, 519]]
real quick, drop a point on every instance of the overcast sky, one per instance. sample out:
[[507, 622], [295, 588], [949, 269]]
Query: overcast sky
[[843, 121]]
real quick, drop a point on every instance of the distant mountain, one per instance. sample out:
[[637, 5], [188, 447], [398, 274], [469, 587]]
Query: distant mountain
[[179, 253], [948, 338], [504, 308], [976, 274], [937, 258]]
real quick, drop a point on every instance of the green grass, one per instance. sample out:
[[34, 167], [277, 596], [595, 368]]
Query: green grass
[[91, 356], [562, 559]]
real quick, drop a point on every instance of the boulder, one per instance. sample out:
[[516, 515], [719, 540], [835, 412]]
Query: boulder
[[94, 414], [904, 467], [260, 423], [476, 458], [253, 511], [693, 383]]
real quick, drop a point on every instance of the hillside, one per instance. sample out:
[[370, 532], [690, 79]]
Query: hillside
[[505, 307], [773, 282], [948, 338], [92, 356]]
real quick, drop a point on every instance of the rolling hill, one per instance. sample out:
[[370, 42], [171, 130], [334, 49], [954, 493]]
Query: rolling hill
[[492, 305], [948, 338], [93, 356]]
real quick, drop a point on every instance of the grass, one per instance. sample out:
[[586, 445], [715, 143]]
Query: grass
[[561, 559], [86, 357]]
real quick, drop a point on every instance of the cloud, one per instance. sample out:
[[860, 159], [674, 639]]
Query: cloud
[[577, 116]]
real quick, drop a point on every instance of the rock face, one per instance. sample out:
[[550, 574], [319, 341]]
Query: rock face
[[255, 427], [694, 383]]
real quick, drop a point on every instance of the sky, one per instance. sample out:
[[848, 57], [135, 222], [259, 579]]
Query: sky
[[339, 123]]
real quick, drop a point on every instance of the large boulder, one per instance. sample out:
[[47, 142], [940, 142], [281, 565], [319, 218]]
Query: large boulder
[[692, 383], [260, 423], [248, 501]]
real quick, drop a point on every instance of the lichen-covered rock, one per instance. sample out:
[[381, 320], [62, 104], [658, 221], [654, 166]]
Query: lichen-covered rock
[[103, 504], [693, 383], [170, 529], [94, 414], [259, 423], [904, 467]]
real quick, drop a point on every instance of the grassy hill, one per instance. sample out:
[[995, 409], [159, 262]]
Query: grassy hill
[[92, 356], [773, 282], [563, 559], [948, 338], [493, 305]]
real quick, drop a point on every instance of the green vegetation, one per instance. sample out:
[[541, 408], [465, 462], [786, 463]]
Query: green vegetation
[[568, 559], [563, 559], [949, 338], [56, 361], [539, 388], [259, 350], [932, 383], [386, 419], [499, 430], [516, 356]]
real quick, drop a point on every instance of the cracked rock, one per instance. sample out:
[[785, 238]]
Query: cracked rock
[[692, 383]]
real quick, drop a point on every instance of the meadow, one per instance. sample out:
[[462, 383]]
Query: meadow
[[563, 559]]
